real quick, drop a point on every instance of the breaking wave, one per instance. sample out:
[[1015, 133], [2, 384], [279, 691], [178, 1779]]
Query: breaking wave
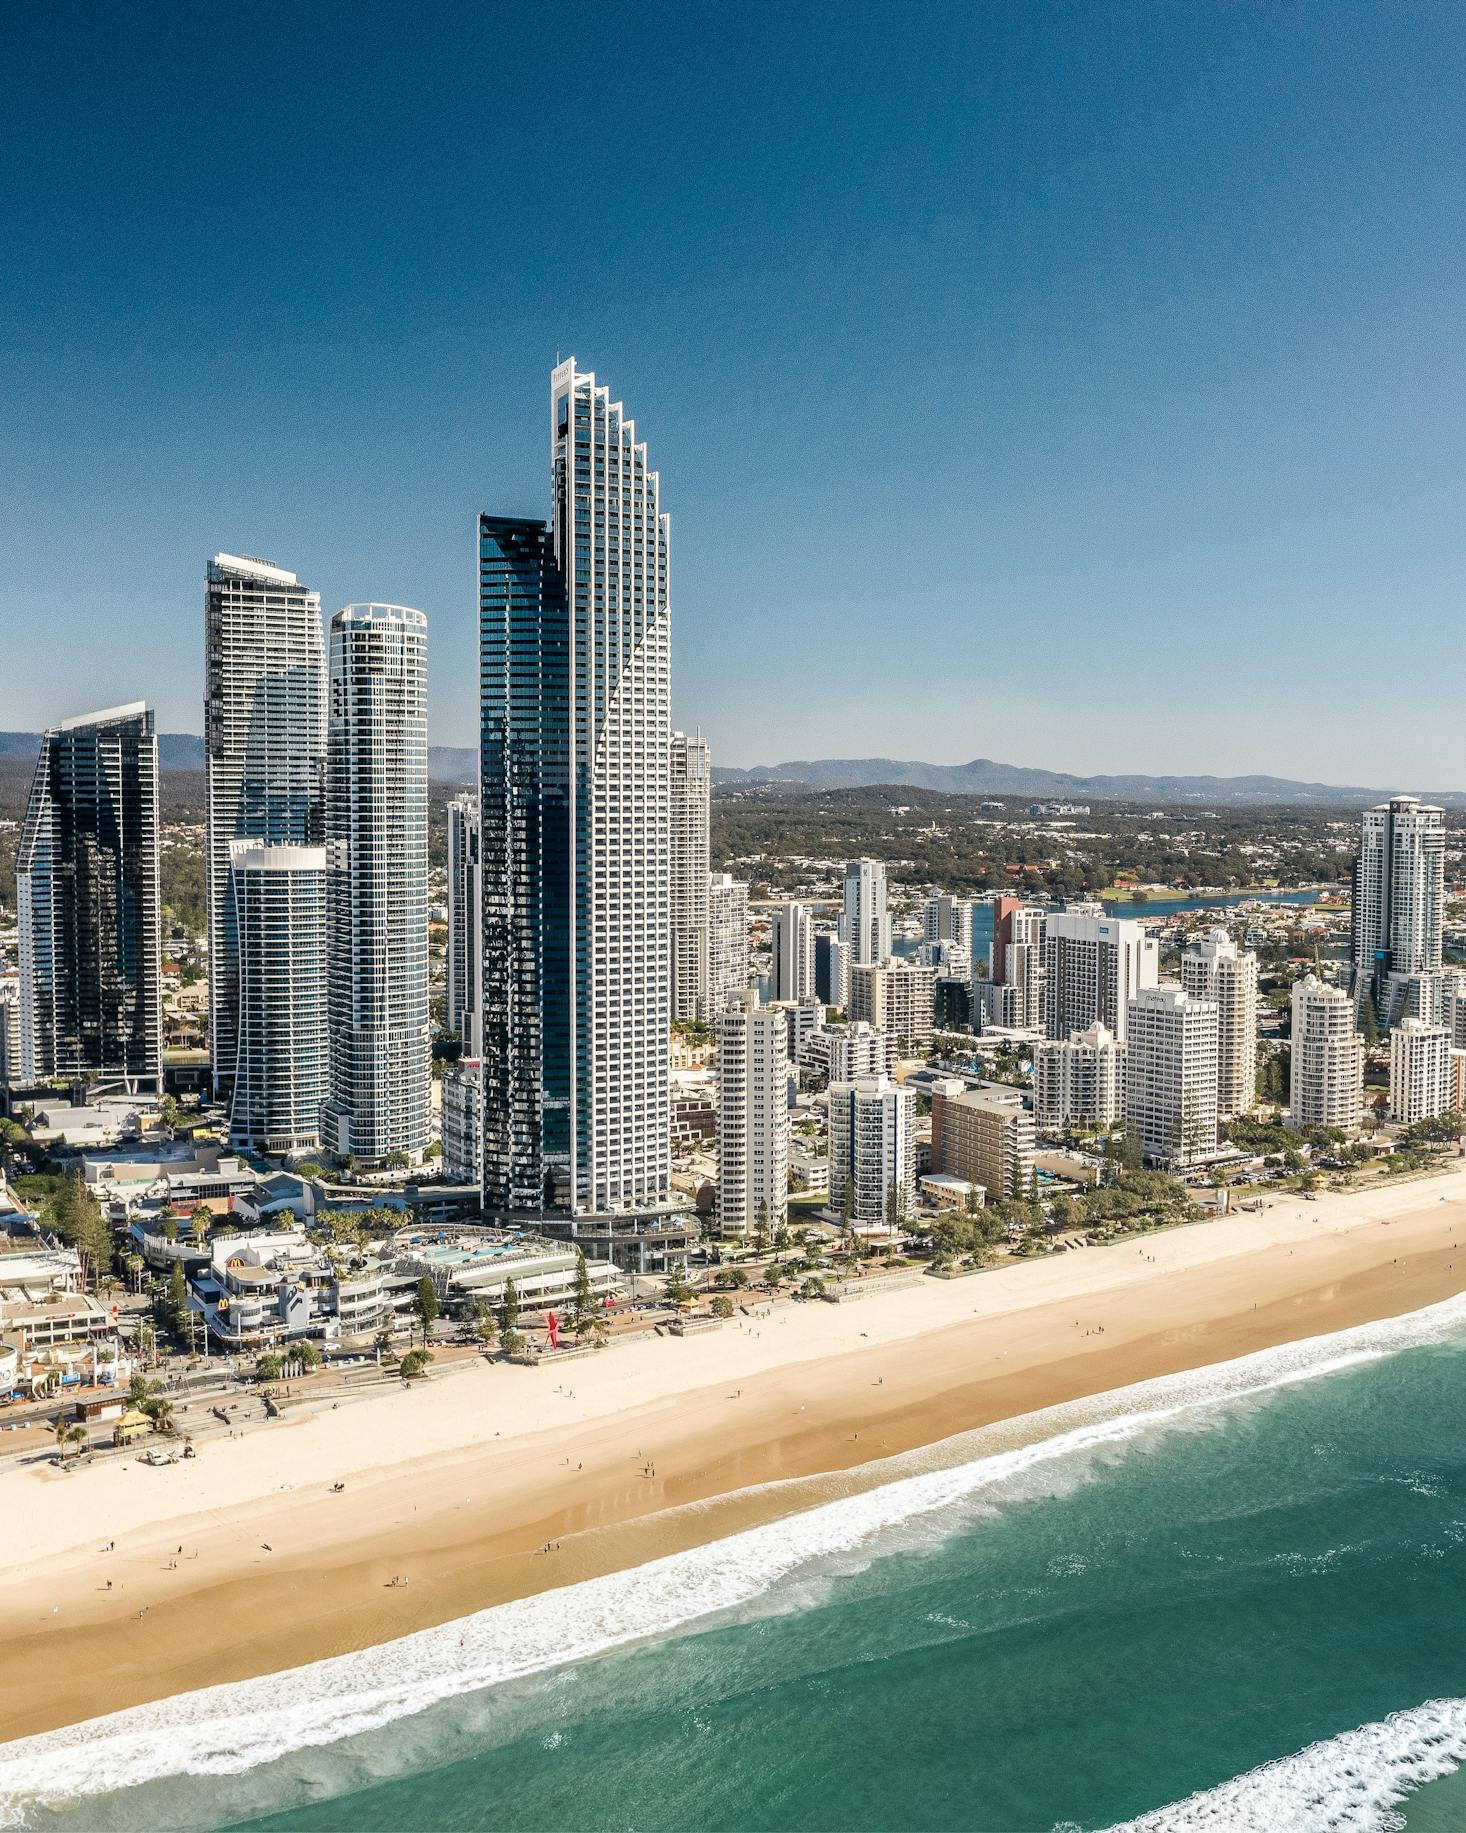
[[228, 1729], [1353, 1783]]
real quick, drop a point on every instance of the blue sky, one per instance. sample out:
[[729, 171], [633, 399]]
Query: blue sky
[[1078, 385]]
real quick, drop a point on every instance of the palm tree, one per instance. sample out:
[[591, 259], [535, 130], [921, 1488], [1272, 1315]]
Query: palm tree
[[68, 1433], [159, 1409]]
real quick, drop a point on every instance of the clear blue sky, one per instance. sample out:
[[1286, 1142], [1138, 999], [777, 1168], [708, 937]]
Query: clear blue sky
[[1077, 385]]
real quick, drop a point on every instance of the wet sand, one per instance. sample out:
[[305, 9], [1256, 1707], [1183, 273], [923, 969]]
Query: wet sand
[[638, 1451]]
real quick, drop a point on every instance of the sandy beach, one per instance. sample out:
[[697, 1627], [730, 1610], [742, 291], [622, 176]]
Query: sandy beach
[[245, 1560]]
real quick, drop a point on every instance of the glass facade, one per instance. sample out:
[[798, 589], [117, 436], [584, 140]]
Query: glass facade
[[575, 781], [525, 814], [87, 885]]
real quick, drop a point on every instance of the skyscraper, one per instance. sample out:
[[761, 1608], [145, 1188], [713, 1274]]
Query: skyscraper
[[463, 969], [377, 841], [865, 923], [264, 739], [575, 776], [87, 891], [1171, 1075], [1326, 1074], [872, 1150], [1215, 968], [690, 790], [945, 918], [1023, 965], [1094, 966], [282, 1062], [728, 969], [753, 1117], [1079, 1080], [534, 938], [1399, 902], [792, 945], [1420, 1071]]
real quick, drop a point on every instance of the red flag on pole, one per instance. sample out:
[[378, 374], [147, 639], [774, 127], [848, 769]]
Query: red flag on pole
[[552, 1325]]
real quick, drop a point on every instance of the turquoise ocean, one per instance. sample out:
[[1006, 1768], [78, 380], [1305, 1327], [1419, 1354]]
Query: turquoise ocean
[[1231, 1599]]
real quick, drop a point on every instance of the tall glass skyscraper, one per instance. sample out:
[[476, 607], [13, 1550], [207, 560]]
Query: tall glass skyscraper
[[87, 888], [377, 863], [576, 735], [264, 735], [1399, 904], [463, 968], [529, 930]]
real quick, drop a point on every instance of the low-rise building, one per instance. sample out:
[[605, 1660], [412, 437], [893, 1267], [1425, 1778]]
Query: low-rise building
[[943, 1191], [180, 1175]]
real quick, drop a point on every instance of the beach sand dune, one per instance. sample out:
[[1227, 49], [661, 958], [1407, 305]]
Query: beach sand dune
[[458, 1486]]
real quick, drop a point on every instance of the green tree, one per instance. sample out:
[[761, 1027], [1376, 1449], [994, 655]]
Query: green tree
[[159, 1409], [201, 1221], [585, 1314], [722, 1305], [414, 1363], [677, 1292], [73, 1215], [397, 1161], [425, 1305], [508, 1311], [761, 1227], [267, 1368], [68, 1434], [175, 1306]]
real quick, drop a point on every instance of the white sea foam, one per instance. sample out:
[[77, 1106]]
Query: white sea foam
[[1353, 1783], [227, 1729]]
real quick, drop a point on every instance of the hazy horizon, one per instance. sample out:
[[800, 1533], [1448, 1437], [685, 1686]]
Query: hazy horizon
[[1081, 388]]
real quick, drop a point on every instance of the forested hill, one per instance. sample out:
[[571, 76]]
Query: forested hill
[[780, 840]]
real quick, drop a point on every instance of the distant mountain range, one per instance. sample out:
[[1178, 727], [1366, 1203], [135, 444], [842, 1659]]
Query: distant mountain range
[[984, 776], [185, 751]]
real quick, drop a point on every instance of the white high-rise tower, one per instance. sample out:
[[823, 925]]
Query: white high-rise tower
[[753, 1117], [690, 789], [377, 844], [792, 944], [865, 923], [282, 1064], [611, 544], [1215, 968], [264, 739]]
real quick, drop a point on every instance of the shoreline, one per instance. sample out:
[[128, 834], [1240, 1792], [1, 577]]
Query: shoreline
[[670, 1443]]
